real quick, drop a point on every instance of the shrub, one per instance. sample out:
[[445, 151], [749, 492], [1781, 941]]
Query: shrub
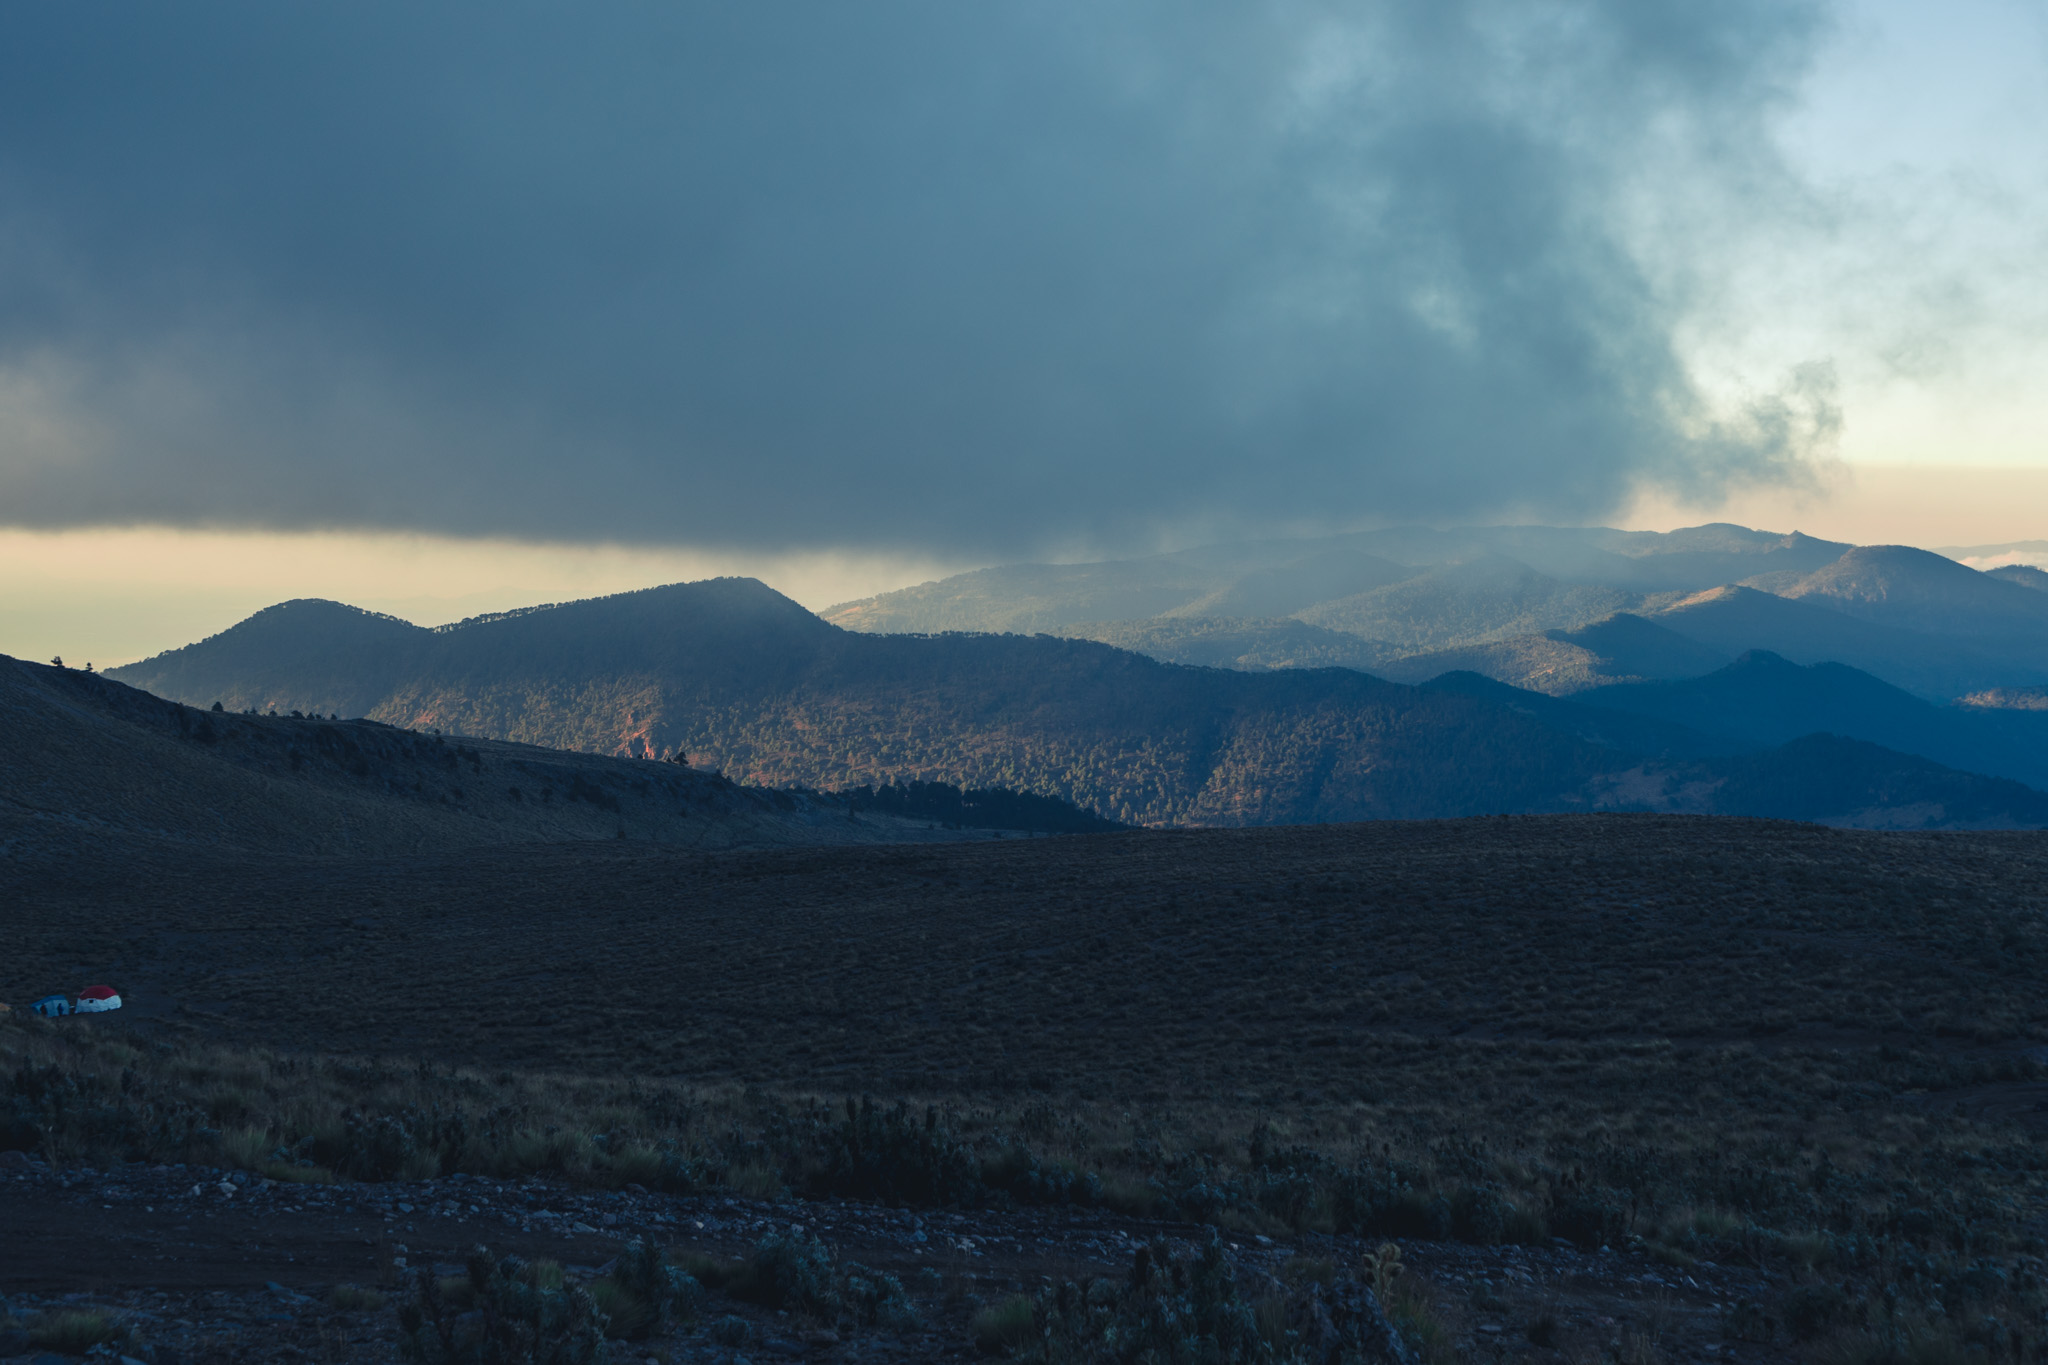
[[1170, 1309], [795, 1272], [886, 1155], [354, 1298], [1301, 1270], [644, 1294], [1006, 1327], [286, 1174], [1190, 1308], [1590, 1217], [731, 1330], [514, 1322], [73, 1331], [1813, 1310], [791, 1270], [876, 1299], [713, 1272]]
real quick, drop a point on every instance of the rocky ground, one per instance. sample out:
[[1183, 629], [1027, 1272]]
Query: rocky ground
[[208, 1266]]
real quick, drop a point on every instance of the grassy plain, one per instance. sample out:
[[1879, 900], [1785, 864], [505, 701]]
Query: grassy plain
[[1809, 1049]]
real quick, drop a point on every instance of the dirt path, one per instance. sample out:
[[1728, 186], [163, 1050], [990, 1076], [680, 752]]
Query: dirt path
[[209, 1275]]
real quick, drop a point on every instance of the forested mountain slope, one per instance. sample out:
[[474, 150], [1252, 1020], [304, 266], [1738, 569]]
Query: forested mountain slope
[[733, 674], [81, 753]]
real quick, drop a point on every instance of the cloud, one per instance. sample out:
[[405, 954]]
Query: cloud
[[961, 277]]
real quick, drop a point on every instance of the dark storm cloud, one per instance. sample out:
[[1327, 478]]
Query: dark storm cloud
[[952, 275]]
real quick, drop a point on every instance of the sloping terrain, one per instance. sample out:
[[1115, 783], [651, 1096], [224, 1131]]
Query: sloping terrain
[[734, 674], [1898, 586], [80, 752], [729, 672], [1474, 602], [1250, 644], [1763, 700], [1737, 619], [1285, 577], [2026, 575], [1512, 603], [1283, 589], [1541, 663], [1618, 648], [1630, 646]]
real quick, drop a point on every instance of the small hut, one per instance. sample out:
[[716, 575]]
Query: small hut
[[98, 1000], [52, 1005]]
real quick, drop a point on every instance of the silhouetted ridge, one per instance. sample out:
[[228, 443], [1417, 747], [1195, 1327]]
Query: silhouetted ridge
[[982, 808]]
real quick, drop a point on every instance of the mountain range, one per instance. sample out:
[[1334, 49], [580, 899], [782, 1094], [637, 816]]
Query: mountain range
[[733, 675], [1534, 606]]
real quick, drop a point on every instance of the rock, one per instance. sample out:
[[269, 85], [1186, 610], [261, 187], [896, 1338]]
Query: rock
[[16, 1163], [583, 1227], [822, 1336], [288, 1295]]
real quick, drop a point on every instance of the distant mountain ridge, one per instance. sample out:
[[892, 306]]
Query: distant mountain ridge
[[1508, 602], [1282, 578], [734, 674]]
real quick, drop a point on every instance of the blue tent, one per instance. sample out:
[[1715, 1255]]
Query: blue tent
[[52, 1005]]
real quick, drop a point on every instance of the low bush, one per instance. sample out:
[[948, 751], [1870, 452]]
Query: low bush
[[793, 1271], [294, 1174], [1008, 1326], [354, 1298], [503, 1318], [1885, 1193], [874, 1298], [73, 1331], [1194, 1308], [730, 1330], [644, 1294]]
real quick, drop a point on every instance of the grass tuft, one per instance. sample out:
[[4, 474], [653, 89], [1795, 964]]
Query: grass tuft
[[1007, 1327], [73, 1330]]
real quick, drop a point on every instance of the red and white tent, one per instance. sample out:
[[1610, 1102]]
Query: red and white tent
[[94, 999]]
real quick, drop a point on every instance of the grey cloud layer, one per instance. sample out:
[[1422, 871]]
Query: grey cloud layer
[[986, 276]]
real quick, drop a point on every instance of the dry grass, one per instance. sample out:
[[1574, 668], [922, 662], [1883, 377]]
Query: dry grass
[[1775, 1044]]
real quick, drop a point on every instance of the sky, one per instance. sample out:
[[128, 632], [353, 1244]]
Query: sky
[[443, 309]]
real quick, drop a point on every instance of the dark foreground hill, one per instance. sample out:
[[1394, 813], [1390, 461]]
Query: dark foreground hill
[[730, 672], [82, 752]]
